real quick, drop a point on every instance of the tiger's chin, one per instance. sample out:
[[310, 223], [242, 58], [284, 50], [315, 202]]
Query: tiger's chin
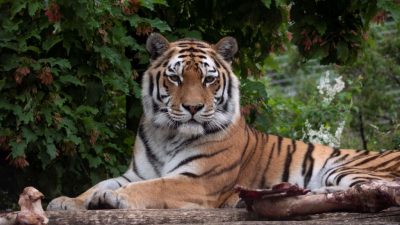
[[191, 129]]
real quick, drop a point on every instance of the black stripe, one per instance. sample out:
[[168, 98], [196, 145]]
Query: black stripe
[[335, 153], [166, 57], [154, 161], [280, 139], [117, 183], [382, 165], [369, 159], [341, 158], [158, 86], [217, 61], [262, 183], [227, 187], [288, 161], [191, 42], [361, 154], [135, 169], [223, 89], [188, 174], [233, 166], [214, 129], [195, 157], [181, 146], [265, 138], [192, 175], [342, 175], [246, 148], [391, 168], [357, 182], [229, 86], [308, 164], [170, 69], [225, 106], [126, 178], [192, 50], [156, 108], [151, 85], [217, 64], [256, 147], [332, 171]]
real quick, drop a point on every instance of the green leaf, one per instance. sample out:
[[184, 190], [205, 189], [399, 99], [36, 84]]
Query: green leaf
[[69, 79], [29, 135], [137, 91], [18, 148], [342, 51], [9, 62], [150, 3], [94, 161], [2, 83], [162, 26], [34, 7], [74, 139], [267, 3], [117, 83], [47, 112], [33, 49], [86, 110], [321, 27], [60, 62], [94, 91], [51, 41], [17, 7], [111, 54], [392, 6], [51, 150]]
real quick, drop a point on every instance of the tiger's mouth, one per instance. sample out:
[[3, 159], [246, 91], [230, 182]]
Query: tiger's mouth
[[192, 121]]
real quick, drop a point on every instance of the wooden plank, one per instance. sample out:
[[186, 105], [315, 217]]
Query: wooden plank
[[212, 216]]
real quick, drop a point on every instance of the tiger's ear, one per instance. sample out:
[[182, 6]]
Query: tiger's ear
[[156, 45], [227, 48]]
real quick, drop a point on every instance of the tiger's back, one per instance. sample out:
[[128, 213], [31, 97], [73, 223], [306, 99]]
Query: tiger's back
[[193, 146]]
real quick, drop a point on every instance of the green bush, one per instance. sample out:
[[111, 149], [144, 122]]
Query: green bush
[[369, 103], [66, 68]]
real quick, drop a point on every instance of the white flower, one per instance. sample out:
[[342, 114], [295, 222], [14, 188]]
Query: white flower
[[323, 135], [328, 89]]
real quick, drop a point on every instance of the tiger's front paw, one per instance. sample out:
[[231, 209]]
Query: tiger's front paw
[[66, 203], [107, 199]]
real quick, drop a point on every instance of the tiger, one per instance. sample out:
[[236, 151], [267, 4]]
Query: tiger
[[193, 145]]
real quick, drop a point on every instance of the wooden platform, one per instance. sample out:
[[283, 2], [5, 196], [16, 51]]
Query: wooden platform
[[213, 216]]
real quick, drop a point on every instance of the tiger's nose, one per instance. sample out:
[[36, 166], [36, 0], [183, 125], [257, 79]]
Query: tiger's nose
[[193, 109]]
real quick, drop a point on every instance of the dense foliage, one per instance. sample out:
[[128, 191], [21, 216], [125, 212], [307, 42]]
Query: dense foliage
[[70, 74], [368, 104]]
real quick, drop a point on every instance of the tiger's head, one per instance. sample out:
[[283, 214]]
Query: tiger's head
[[189, 86]]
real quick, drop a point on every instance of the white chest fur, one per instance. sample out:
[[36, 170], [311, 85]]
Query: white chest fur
[[163, 153]]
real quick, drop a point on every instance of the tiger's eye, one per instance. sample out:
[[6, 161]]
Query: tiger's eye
[[209, 79], [174, 78]]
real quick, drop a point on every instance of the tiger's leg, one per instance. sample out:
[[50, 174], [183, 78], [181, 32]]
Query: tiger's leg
[[170, 192], [78, 203]]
